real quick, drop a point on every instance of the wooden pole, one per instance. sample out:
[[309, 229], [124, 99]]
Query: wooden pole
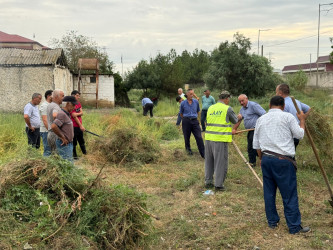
[[247, 163], [315, 151], [245, 130]]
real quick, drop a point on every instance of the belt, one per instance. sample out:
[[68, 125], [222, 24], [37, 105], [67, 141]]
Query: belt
[[279, 156], [191, 119]]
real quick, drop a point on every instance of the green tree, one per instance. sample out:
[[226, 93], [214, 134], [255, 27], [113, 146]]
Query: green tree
[[297, 80], [233, 68], [121, 96], [77, 46]]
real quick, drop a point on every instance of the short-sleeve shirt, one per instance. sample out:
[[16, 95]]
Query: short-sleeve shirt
[[189, 110], [207, 102], [145, 101], [76, 110], [51, 109], [33, 113], [43, 111], [251, 113], [290, 107], [65, 124]]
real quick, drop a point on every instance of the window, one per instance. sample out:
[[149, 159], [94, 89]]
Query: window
[[93, 79]]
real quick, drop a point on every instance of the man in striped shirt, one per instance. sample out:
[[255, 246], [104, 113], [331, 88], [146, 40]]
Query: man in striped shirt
[[273, 139]]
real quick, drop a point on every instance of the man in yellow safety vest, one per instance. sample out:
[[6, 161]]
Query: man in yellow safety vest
[[218, 134]]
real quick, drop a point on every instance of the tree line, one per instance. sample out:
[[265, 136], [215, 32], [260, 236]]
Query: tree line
[[229, 66]]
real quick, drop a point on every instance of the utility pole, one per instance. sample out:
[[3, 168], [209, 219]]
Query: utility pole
[[318, 40], [122, 66], [259, 38], [310, 64]]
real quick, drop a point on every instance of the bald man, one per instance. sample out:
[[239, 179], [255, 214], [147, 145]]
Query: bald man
[[249, 112]]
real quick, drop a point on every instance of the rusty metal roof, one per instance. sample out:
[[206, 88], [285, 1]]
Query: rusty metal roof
[[22, 57]]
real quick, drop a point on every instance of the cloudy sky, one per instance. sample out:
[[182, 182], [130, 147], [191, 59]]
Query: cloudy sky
[[140, 29]]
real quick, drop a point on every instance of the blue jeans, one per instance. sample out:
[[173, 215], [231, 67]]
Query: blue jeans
[[280, 173], [179, 119], [65, 151], [47, 149]]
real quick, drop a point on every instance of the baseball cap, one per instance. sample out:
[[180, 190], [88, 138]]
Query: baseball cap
[[224, 94], [71, 99]]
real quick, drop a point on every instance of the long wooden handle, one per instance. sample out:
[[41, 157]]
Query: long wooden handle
[[315, 151], [245, 130], [247, 163]]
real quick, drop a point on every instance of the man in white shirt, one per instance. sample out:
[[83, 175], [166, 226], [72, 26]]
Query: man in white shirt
[[32, 120], [43, 123], [273, 139]]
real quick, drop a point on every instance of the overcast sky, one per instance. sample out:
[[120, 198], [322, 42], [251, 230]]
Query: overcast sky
[[140, 29]]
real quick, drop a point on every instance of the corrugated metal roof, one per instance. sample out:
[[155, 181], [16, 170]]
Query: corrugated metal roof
[[22, 57]]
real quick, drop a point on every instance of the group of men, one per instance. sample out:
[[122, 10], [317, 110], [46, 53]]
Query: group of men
[[272, 137], [58, 122]]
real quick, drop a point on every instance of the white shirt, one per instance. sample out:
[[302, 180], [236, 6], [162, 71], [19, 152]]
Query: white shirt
[[43, 111], [275, 132]]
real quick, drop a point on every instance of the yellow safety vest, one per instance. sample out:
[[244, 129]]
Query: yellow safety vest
[[218, 129]]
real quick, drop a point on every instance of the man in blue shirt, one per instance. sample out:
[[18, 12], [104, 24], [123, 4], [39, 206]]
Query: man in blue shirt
[[249, 112], [189, 110], [207, 101], [284, 91], [147, 105]]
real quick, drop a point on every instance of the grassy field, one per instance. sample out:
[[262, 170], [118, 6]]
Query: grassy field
[[174, 185]]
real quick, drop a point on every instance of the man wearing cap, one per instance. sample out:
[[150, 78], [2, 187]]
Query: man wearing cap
[[249, 112], [189, 110], [207, 101], [62, 126], [32, 120], [218, 135]]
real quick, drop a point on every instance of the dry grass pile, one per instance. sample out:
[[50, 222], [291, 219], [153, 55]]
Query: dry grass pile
[[49, 201], [321, 133]]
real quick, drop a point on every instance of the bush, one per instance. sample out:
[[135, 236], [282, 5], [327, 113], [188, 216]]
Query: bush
[[298, 80], [169, 132]]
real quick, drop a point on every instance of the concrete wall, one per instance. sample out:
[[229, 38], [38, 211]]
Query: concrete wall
[[88, 90], [17, 84], [325, 80], [63, 79]]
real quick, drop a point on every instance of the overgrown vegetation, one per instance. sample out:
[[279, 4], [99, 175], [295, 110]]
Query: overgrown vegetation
[[41, 198], [297, 80]]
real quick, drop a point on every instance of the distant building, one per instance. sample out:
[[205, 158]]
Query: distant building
[[19, 42], [24, 72], [324, 65], [325, 72]]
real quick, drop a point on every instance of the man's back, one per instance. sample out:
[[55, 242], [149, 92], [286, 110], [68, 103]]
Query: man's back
[[275, 132], [52, 108]]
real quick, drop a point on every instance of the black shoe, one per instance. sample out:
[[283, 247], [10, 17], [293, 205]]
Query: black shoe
[[253, 165], [189, 152], [219, 189], [209, 186], [273, 226], [304, 230]]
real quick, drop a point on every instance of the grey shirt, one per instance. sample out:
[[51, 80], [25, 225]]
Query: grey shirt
[[51, 109], [33, 113], [231, 116], [43, 111]]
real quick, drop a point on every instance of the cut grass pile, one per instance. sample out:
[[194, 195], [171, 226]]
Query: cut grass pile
[[131, 139], [45, 201]]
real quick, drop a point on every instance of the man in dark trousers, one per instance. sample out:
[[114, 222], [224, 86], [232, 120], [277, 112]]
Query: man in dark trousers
[[189, 110], [76, 117], [249, 112], [147, 105], [274, 140], [32, 120]]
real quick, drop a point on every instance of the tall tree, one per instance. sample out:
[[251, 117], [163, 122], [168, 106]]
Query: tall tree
[[233, 68], [77, 46]]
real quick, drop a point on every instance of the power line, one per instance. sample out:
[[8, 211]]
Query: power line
[[291, 41]]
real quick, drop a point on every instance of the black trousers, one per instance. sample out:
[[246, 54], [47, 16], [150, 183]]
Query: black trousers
[[33, 137], [192, 126], [78, 137], [252, 153], [148, 107], [296, 142], [203, 119]]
